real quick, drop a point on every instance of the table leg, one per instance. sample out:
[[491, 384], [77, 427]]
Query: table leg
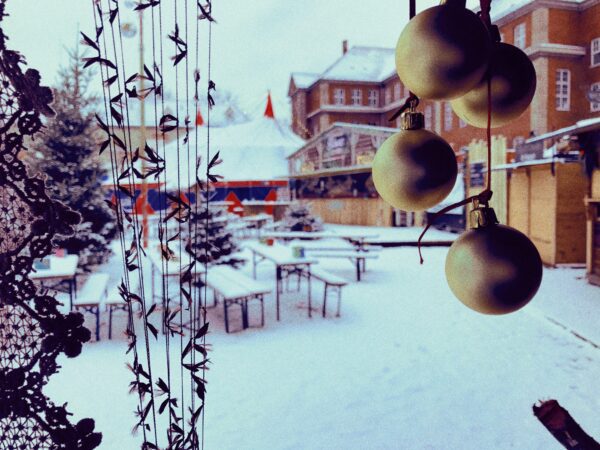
[[309, 294], [278, 276], [245, 323], [357, 269], [72, 286]]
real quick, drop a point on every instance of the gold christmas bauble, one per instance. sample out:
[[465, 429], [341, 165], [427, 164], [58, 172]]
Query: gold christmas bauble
[[414, 170], [494, 269], [513, 83], [443, 52]]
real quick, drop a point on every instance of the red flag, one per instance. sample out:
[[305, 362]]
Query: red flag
[[199, 119], [269, 109]]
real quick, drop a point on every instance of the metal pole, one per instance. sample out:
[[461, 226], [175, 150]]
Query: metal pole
[[142, 145]]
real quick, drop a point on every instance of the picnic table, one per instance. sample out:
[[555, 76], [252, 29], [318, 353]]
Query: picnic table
[[170, 268], [355, 238], [257, 221], [285, 265], [62, 269]]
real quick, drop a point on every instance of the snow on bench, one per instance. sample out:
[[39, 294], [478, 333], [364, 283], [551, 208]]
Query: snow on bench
[[236, 288], [331, 281], [91, 295], [358, 256]]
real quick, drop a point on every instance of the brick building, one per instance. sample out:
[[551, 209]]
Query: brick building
[[362, 86]]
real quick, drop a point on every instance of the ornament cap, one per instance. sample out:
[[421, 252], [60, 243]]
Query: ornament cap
[[482, 216], [412, 120]]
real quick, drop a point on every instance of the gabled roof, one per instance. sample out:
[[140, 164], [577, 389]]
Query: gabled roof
[[502, 8], [302, 80], [365, 64], [373, 64]]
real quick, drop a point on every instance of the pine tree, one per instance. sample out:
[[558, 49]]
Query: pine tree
[[220, 247], [299, 217], [67, 155]]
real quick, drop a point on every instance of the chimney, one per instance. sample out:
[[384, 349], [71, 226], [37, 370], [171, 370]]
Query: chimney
[[344, 46]]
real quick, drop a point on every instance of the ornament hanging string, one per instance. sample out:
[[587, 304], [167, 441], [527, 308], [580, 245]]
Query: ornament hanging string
[[484, 196]]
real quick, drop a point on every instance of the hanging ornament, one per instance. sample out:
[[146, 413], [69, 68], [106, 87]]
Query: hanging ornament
[[414, 169], [513, 81], [443, 52], [492, 268]]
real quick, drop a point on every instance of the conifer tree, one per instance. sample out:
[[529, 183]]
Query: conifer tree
[[299, 217], [67, 154], [212, 242]]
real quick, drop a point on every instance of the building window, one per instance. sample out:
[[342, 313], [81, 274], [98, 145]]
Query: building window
[[447, 116], [428, 117], [373, 97], [519, 36], [397, 93], [356, 97], [595, 52], [462, 123], [502, 37], [563, 89], [595, 103], [339, 96]]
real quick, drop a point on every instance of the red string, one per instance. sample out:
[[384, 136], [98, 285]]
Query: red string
[[484, 196]]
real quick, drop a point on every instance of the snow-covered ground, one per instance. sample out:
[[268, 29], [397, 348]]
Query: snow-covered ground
[[405, 367]]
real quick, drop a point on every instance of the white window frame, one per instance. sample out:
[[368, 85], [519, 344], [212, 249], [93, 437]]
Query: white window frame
[[461, 123], [373, 97], [595, 52], [562, 89], [595, 106], [397, 91], [520, 36], [339, 96], [448, 116], [356, 97]]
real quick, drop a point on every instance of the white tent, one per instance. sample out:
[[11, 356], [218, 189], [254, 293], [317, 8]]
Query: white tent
[[252, 151]]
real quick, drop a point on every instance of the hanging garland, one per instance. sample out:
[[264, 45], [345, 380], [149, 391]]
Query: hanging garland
[[170, 409], [33, 332], [491, 268]]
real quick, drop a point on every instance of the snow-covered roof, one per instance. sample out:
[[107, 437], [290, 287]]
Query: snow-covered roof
[[502, 8], [252, 151], [302, 80], [373, 64], [592, 123], [225, 111]]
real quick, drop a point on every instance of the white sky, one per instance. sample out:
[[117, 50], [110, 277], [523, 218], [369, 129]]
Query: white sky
[[256, 43]]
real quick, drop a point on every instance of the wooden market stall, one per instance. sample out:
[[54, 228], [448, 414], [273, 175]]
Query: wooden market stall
[[333, 173], [538, 194]]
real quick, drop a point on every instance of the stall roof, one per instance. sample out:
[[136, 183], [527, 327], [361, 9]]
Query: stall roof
[[334, 171], [579, 127], [533, 162]]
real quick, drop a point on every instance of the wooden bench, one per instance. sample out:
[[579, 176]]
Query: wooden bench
[[236, 288], [116, 302], [358, 257], [91, 296], [332, 282]]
